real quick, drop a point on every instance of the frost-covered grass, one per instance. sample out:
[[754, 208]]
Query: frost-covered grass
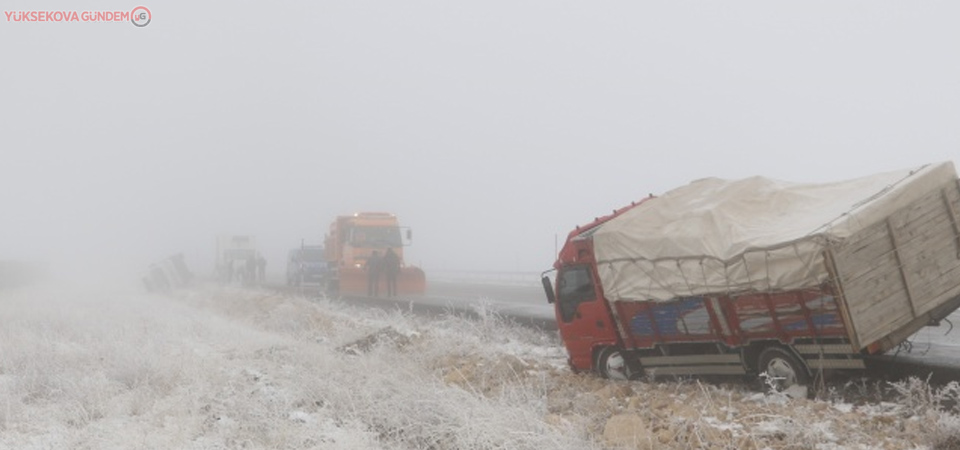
[[212, 368], [241, 369]]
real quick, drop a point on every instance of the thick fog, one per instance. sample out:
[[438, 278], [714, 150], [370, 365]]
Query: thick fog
[[491, 128]]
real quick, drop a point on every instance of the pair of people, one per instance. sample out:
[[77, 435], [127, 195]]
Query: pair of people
[[245, 271], [389, 265]]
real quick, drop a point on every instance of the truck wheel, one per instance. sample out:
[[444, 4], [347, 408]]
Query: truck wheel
[[783, 367], [612, 364]]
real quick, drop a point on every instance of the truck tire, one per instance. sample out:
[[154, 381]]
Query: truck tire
[[612, 364], [783, 366]]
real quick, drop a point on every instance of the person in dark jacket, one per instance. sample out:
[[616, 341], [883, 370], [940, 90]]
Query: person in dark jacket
[[373, 267], [261, 268], [391, 268], [250, 274]]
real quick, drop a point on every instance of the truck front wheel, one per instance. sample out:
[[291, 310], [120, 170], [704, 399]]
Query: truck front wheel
[[782, 368], [612, 364]]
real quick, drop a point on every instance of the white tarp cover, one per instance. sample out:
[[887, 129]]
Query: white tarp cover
[[756, 234]]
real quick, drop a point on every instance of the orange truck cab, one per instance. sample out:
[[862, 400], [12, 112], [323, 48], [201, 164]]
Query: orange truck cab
[[352, 240]]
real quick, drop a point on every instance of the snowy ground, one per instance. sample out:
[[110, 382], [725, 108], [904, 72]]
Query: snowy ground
[[211, 368]]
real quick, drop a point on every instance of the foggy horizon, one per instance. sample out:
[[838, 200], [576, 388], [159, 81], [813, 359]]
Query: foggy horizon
[[491, 129]]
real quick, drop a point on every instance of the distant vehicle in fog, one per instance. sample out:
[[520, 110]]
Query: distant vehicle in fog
[[167, 274], [354, 239], [233, 256], [306, 264]]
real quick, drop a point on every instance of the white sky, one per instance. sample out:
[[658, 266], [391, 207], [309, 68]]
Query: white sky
[[489, 127]]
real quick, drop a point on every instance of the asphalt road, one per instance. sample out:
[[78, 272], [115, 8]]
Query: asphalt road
[[932, 352], [524, 304]]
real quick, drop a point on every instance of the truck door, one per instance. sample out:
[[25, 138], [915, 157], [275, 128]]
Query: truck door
[[582, 316]]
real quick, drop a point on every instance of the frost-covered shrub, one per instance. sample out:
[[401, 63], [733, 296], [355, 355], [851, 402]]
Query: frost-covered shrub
[[224, 369]]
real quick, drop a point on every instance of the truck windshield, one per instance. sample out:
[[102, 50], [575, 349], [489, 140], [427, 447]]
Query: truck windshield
[[574, 286], [312, 254], [238, 253], [377, 237]]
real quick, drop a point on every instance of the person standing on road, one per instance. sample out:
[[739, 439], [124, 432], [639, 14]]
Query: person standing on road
[[261, 268], [239, 266], [391, 268], [226, 272], [250, 272], [374, 265]]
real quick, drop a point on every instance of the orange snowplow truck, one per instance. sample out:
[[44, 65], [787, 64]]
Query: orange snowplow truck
[[351, 241]]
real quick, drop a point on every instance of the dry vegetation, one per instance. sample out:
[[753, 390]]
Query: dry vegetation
[[244, 369]]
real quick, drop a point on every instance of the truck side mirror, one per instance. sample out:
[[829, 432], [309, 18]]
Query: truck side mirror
[[409, 234], [548, 289]]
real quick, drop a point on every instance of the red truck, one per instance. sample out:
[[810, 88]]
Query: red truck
[[760, 276]]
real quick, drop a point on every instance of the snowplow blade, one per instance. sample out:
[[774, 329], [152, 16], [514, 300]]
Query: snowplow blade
[[410, 281]]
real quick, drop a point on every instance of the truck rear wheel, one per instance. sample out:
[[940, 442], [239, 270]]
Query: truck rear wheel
[[783, 368], [612, 364]]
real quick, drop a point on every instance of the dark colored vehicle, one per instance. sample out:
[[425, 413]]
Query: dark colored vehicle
[[307, 265]]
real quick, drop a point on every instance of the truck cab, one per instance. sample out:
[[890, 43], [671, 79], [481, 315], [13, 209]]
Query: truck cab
[[307, 264], [584, 318], [232, 254], [351, 242]]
